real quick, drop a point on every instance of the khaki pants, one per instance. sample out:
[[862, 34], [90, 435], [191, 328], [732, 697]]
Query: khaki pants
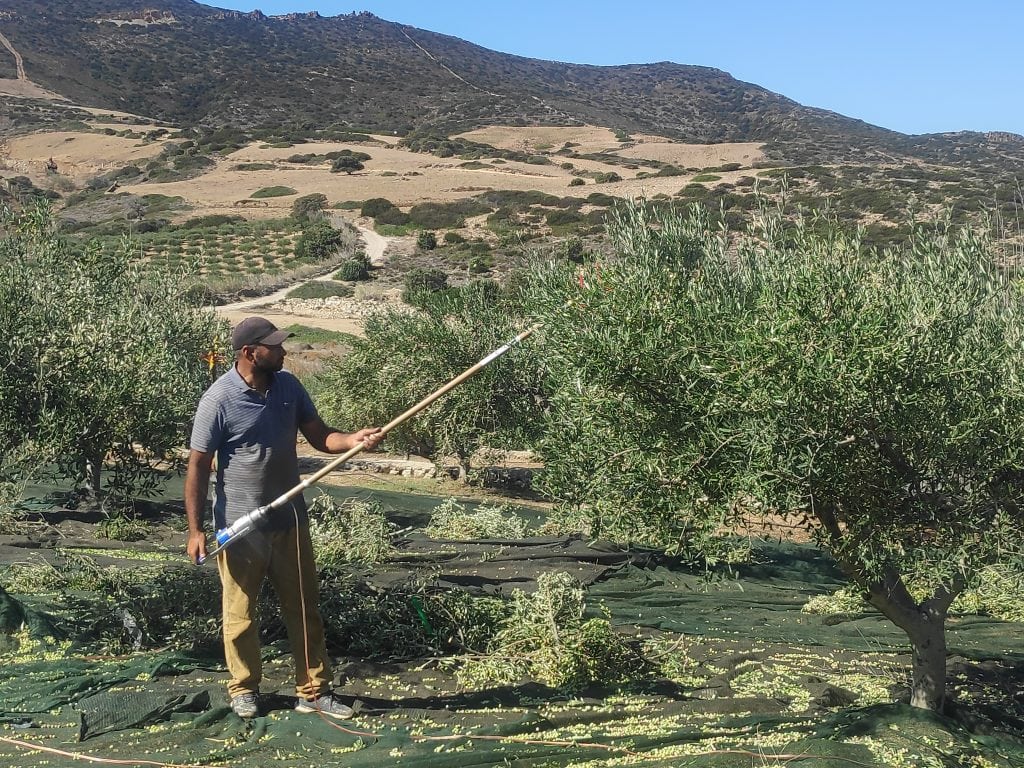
[[287, 557]]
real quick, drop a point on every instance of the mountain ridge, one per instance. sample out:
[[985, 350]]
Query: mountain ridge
[[188, 63]]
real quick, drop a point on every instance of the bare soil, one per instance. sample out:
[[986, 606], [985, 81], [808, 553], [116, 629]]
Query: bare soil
[[79, 155]]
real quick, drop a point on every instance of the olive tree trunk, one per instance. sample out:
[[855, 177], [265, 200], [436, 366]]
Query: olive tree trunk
[[92, 466], [925, 625]]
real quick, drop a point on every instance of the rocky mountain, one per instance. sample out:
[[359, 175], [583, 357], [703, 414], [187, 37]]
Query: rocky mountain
[[192, 64]]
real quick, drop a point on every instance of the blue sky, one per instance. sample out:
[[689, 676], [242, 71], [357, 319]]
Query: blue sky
[[908, 65]]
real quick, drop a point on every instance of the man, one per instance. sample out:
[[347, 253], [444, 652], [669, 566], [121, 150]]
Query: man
[[248, 420]]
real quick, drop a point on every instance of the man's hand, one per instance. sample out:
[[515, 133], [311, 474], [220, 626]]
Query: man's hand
[[330, 440], [196, 546], [370, 437], [197, 482]]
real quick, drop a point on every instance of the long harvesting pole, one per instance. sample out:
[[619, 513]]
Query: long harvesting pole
[[248, 522]]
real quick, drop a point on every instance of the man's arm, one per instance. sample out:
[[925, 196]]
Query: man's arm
[[330, 440], [197, 483]]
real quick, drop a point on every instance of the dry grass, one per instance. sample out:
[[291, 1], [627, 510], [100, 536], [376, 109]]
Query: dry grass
[[79, 154]]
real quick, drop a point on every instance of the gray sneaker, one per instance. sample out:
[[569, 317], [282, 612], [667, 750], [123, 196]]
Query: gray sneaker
[[246, 705], [327, 704]]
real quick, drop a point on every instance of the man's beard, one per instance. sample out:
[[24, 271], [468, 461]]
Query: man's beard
[[268, 367]]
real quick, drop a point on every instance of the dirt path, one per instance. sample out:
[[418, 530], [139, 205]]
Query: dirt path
[[376, 245], [283, 320], [18, 62]]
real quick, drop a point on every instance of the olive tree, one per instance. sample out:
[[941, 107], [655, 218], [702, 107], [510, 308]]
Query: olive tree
[[104, 361], [874, 398], [407, 355]]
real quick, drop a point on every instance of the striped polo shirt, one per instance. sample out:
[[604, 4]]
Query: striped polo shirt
[[254, 438]]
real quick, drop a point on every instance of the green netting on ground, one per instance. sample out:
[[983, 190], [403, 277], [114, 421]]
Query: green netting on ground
[[523, 726], [747, 679], [763, 600]]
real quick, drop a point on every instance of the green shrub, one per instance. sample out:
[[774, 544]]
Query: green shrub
[[446, 215], [607, 178], [573, 250], [353, 270], [436, 216], [693, 191], [426, 241], [516, 198], [375, 206], [560, 218], [210, 221], [253, 167], [317, 241], [601, 199], [394, 230], [453, 238], [362, 156], [346, 163], [423, 280], [187, 163], [320, 289], [480, 264], [393, 216], [704, 177], [308, 206], [272, 192], [577, 182]]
